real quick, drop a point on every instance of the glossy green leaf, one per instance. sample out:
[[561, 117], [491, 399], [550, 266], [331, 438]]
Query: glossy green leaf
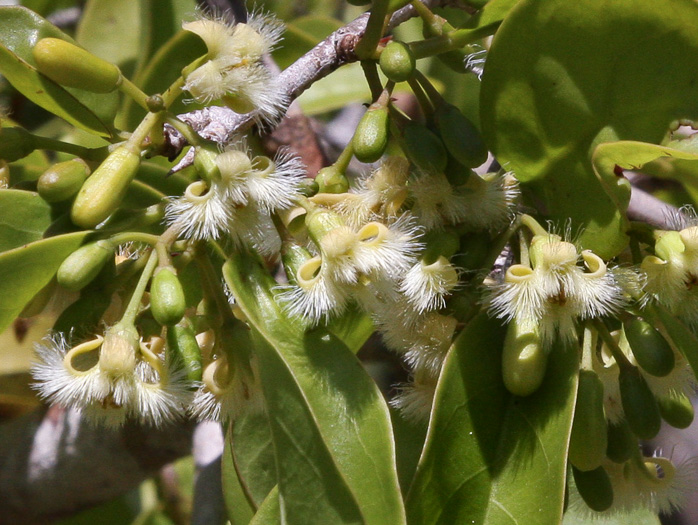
[[583, 73], [29, 168], [269, 512], [24, 216], [237, 505], [490, 457], [353, 328], [27, 269], [20, 29], [344, 86], [331, 428]]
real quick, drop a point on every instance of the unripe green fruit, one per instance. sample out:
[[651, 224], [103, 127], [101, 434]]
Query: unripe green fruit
[[651, 350], [15, 143], [423, 147], [83, 265], [397, 61], [331, 180], [184, 350], [524, 361], [594, 486], [371, 136], [104, 190], [622, 443], [639, 404], [73, 66], [676, 409], [63, 180], [167, 301], [589, 438], [460, 136]]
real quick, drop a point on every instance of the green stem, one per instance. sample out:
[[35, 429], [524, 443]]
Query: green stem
[[145, 238], [134, 303], [130, 89], [450, 41], [374, 80], [612, 345], [173, 92], [137, 138], [192, 137], [533, 225], [375, 28], [422, 98], [94, 154]]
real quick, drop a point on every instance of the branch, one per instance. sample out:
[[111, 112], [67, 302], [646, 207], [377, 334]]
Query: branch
[[221, 123]]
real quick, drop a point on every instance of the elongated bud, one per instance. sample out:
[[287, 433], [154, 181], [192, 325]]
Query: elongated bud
[[167, 301], [423, 147], [371, 135], [104, 190], [594, 486], [651, 350], [524, 360], [397, 61], [15, 143], [83, 265], [639, 404], [117, 357], [676, 409], [73, 66], [622, 443], [460, 136], [184, 350], [63, 180], [589, 438]]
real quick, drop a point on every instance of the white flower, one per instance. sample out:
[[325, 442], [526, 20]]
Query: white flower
[[203, 212], [427, 285]]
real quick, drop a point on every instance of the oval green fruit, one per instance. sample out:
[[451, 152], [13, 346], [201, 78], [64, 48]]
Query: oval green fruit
[[676, 409], [639, 404], [63, 180], [524, 361], [651, 350], [15, 143], [397, 61], [589, 438], [460, 136], [184, 350], [622, 443], [594, 486], [371, 136], [73, 66], [167, 301], [83, 265], [423, 147]]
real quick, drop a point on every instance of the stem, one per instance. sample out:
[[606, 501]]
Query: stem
[[422, 98], [95, 154], [192, 137], [151, 120], [431, 91], [130, 89], [533, 225], [173, 92], [524, 256], [374, 29], [145, 238], [435, 23], [342, 162], [451, 40], [374, 80], [211, 288], [134, 303], [617, 353]]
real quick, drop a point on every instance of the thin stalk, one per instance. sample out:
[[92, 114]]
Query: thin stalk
[[375, 27], [94, 154], [134, 303], [130, 89]]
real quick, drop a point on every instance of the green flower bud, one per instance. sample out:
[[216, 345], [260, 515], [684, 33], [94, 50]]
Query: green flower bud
[[331, 180], [594, 486], [104, 190], [371, 135], [397, 61], [15, 143], [460, 136], [524, 360], [676, 409], [184, 350], [423, 147], [639, 404], [622, 443], [589, 438], [167, 301], [83, 265], [63, 180], [651, 350], [73, 66]]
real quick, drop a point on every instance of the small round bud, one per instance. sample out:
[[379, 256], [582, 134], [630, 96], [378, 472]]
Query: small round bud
[[15, 143], [83, 265], [594, 486], [331, 180], [371, 135], [524, 360], [460, 136], [622, 443], [167, 301], [63, 180], [639, 404], [397, 61], [104, 190], [651, 350], [589, 438], [423, 147], [73, 66], [184, 350], [676, 409], [117, 357]]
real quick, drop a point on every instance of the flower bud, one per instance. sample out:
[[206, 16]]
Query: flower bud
[[460, 136], [676, 409], [423, 147], [184, 350], [524, 360], [371, 135], [594, 486], [397, 61], [83, 265], [331, 180], [651, 350], [668, 245], [63, 180], [589, 438], [73, 66], [117, 357], [639, 404], [622, 443], [15, 143], [167, 301], [103, 191]]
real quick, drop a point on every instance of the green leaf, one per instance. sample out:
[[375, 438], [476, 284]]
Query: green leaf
[[490, 457], [24, 216], [269, 512], [344, 86], [27, 269], [331, 428], [238, 507], [20, 29], [583, 73], [353, 328]]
